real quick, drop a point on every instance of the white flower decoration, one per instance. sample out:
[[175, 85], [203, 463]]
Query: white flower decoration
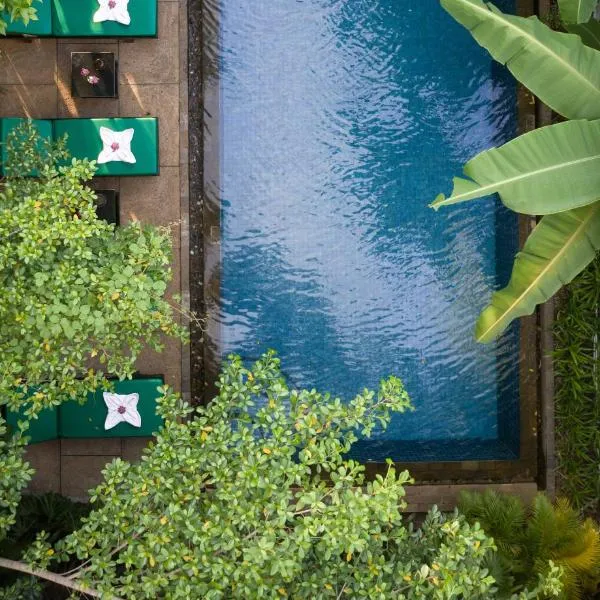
[[112, 10], [117, 146], [122, 408]]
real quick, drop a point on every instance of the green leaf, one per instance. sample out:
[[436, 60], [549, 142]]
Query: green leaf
[[588, 32], [549, 170], [576, 11], [558, 249], [556, 67]]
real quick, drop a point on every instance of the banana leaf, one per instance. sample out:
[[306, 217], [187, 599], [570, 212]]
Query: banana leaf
[[557, 67], [576, 11], [588, 32], [545, 171], [557, 250]]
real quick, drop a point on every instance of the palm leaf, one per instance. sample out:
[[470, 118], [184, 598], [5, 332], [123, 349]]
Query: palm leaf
[[588, 32], [549, 170], [576, 11], [559, 248], [556, 67]]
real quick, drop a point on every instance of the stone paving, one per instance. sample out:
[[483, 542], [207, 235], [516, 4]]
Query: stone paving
[[35, 81]]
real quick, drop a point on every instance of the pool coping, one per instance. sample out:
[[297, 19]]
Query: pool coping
[[204, 282]]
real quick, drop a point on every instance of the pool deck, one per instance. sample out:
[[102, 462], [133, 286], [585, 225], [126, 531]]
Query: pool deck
[[35, 81]]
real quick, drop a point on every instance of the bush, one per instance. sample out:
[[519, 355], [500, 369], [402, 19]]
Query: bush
[[532, 542], [79, 298], [253, 498]]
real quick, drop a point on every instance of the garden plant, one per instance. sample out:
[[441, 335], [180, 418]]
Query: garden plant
[[253, 498], [17, 10], [528, 538], [552, 171], [79, 298], [577, 397]]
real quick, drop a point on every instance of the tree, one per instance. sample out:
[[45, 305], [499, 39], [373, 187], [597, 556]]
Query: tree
[[552, 171], [17, 10], [253, 498], [79, 298]]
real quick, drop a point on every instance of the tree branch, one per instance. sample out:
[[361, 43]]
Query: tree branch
[[15, 565]]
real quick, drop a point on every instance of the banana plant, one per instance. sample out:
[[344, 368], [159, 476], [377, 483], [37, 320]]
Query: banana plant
[[576, 11], [553, 171]]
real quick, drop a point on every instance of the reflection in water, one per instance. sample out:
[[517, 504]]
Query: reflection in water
[[340, 120]]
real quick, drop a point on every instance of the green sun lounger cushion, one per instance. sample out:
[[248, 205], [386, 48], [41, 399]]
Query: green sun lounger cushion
[[118, 416], [121, 146], [98, 18], [42, 429], [43, 127], [41, 27]]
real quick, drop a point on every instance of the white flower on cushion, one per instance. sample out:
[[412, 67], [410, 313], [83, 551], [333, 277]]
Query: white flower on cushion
[[112, 10], [122, 408], [117, 146]]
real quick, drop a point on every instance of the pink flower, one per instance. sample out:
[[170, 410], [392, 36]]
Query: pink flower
[[111, 4], [84, 72], [93, 79], [114, 146]]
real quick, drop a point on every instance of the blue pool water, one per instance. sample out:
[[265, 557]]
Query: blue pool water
[[339, 121]]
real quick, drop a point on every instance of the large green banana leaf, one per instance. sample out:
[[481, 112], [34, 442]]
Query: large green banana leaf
[[556, 67], [545, 171], [588, 32], [559, 248], [576, 11]]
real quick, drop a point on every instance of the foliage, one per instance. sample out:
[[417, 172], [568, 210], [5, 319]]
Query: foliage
[[529, 541], [72, 289], [253, 498], [15, 472], [577, 398], [51, 513], [576, 11], [551, 171], [17, 10]]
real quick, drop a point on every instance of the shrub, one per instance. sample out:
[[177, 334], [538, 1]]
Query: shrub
[[18, 10], [73, 290], [530, 541], [253, 498]]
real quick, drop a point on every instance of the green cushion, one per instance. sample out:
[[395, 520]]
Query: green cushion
[[84, 142], [74, 18], [43, 127], [43, 26], [87, 420], [42, 429]]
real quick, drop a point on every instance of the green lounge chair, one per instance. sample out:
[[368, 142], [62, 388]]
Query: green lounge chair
[[90, 419], [42, 429], [75, 18], [85, 141], [129, 147], [91, 18]]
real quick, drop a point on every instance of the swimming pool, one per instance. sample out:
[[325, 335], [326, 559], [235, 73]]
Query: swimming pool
[[337, 122]]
